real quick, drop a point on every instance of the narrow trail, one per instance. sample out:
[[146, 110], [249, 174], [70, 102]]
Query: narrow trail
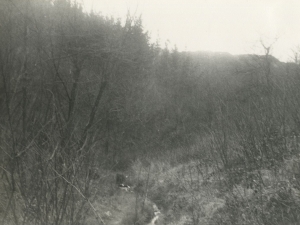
[[124, 205]]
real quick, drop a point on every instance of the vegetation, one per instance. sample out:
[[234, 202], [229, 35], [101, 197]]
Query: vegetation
[[210, 138]]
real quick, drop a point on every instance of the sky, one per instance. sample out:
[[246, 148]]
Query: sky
[[233, 26]]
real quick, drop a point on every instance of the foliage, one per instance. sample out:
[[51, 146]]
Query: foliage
[[67, 78], [81, 94]]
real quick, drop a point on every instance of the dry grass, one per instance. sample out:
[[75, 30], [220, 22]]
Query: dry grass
[[184, 195], [10, 206]]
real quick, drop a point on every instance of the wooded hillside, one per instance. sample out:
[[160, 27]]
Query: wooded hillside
[[82, 93]]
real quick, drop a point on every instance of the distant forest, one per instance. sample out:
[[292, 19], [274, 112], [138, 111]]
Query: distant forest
[[80, 91]]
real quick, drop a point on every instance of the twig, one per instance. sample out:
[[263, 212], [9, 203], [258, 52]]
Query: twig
[[91, 205]]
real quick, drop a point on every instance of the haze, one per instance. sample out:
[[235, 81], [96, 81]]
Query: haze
[[233, 26]]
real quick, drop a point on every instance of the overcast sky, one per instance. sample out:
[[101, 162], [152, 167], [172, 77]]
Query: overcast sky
[[234, 26]]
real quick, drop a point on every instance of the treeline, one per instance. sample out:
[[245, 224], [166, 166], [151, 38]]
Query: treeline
[[81, 91]]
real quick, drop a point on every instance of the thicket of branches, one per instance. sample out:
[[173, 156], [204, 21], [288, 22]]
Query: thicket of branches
[[73, 94], [80, 91]]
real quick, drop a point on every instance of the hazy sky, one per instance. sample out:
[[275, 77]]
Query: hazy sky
[[234, 26]]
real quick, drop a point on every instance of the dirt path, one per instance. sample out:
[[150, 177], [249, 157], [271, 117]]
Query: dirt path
[[125, 202], [122, 209]]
